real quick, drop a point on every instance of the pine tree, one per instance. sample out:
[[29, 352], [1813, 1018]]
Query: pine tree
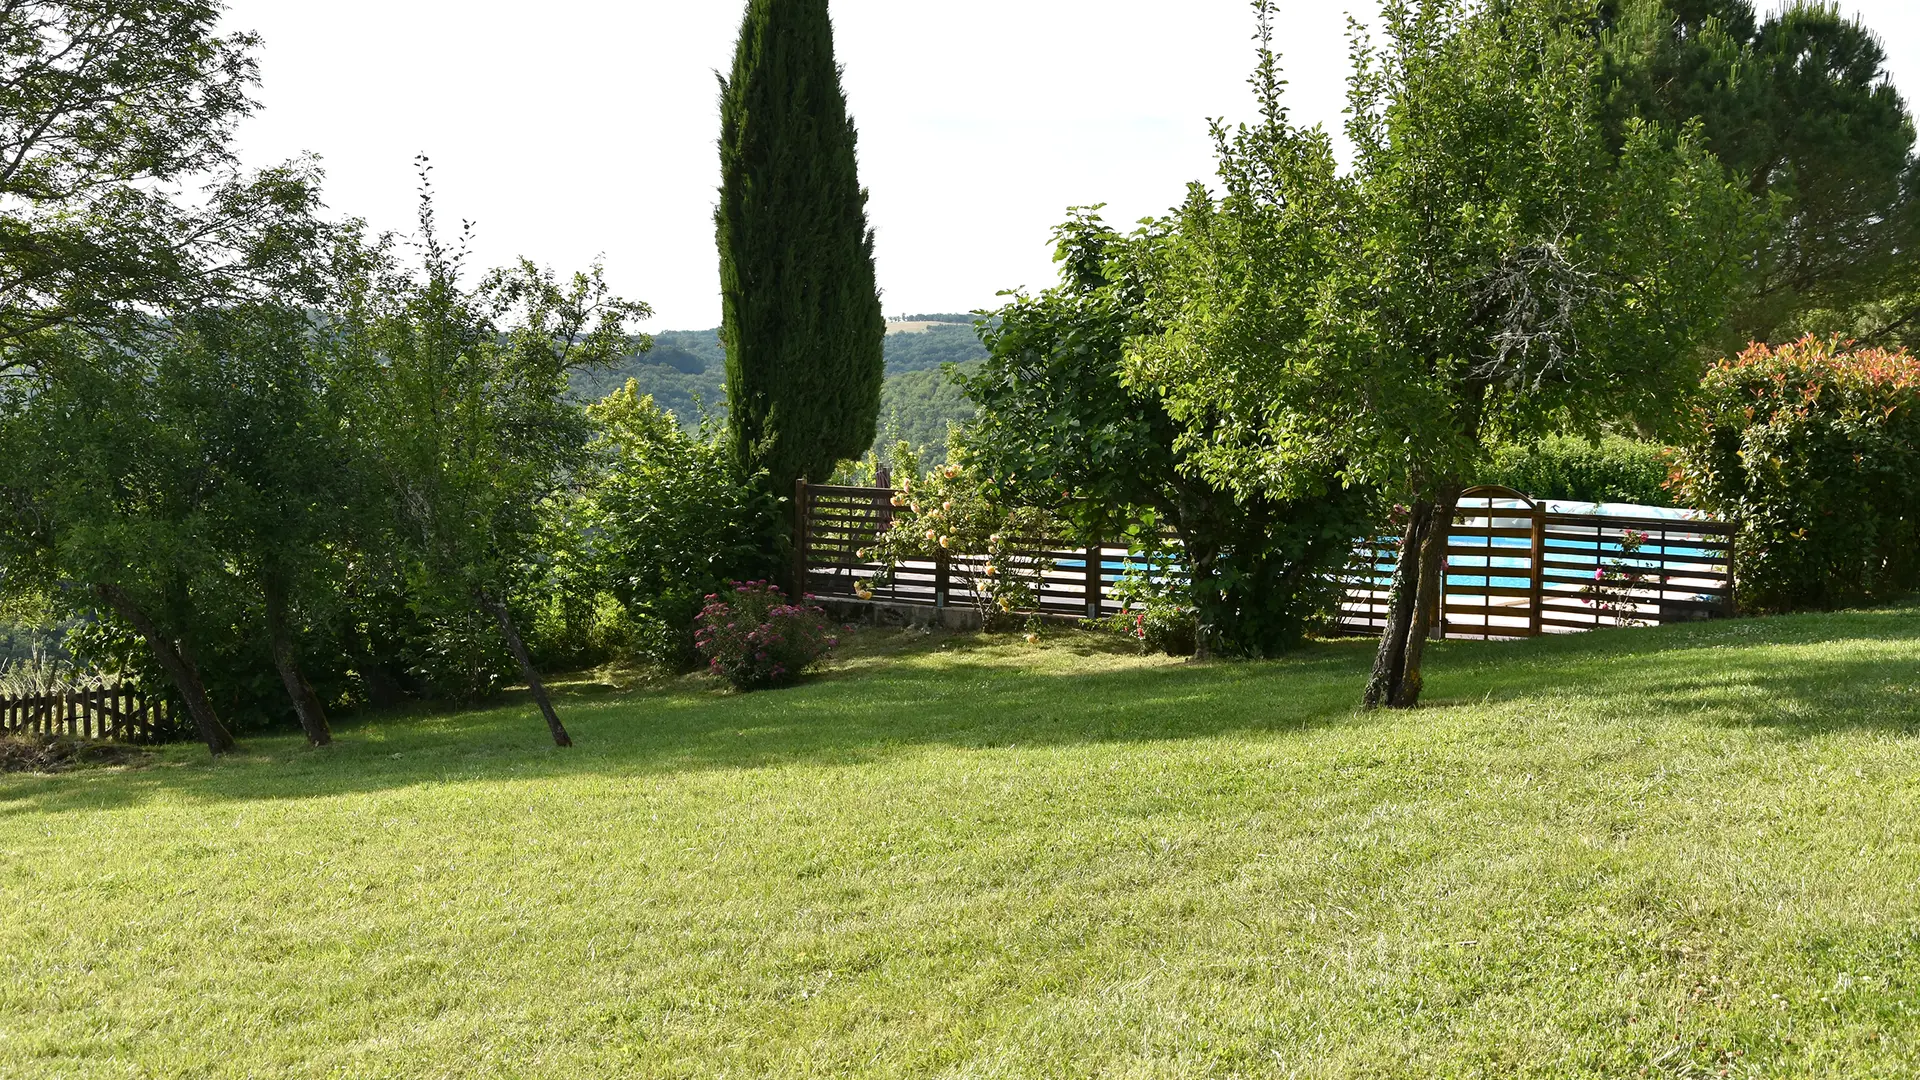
[[801, 310]]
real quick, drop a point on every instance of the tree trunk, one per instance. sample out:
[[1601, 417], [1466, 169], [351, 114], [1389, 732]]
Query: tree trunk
[[525, 659], [1419, 590], [1432, 598], [1204, 591], [1389, 664], [313, 718], [178, 666]]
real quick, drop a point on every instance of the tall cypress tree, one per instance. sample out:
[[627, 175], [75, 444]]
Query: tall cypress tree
[[801, 309]]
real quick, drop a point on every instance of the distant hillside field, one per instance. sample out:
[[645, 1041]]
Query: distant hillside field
[[685, 371]]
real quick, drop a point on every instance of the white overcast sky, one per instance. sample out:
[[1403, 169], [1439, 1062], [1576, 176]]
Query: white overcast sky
[[570, 129]]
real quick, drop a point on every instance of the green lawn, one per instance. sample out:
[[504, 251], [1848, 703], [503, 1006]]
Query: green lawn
[[1681, 852]]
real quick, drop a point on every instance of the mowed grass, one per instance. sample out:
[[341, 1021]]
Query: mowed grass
[[1680, 852]]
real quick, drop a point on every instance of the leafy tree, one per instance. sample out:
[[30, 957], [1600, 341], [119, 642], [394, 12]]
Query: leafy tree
[[1800, 109], [107, 501], [801, 310], [934, 348], [103, 103], [1059, 428], [920, 408], [471, 424], [266, 393], [123, 437], [1488, 268]]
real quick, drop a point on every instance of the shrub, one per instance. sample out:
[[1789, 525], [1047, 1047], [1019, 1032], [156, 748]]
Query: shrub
[[658, 519], [1814, 448], [1615, 469], [1616, 585], [953, 509], [1159, 627], [754, 638]]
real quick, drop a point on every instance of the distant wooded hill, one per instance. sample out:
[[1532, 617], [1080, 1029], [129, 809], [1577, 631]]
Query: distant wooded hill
[[685, 371]]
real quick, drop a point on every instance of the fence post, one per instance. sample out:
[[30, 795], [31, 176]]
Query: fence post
[[942, 578], [1096, 579], [1731, 604], [882, 501], [1537, 602], [802, 520]]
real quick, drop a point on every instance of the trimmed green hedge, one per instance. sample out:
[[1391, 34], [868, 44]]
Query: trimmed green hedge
[[1615, 469]]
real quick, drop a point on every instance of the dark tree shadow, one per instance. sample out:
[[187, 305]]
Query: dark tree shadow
[[1801, 676]]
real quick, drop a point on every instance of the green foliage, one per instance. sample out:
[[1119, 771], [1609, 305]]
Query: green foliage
[[1156, 604], [470, 424], [470, 421], [684, 373], [1612, 469], [107, 106], [953, 509], [659, 520], [1800, 109], [933, 348], [920, 408], [39, 675], [800, 306], [756, 638], [1059, 429], [1489, 265], [1814, 448]]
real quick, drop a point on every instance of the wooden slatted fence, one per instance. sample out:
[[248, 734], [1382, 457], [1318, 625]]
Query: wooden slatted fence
[[117, 714], [838, 523], [1515, 569]]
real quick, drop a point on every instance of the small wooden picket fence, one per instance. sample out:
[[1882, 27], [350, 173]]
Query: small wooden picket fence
[[116, 714], [1515, 569]]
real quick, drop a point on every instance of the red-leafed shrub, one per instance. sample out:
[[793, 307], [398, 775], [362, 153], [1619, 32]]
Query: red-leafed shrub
[[754, 638], [1814, 448]]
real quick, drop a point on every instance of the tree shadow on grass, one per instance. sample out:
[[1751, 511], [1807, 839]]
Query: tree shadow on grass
[[1803, 675], [970, 694]]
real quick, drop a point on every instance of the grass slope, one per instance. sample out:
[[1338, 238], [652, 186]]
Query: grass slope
[[1680, 852]]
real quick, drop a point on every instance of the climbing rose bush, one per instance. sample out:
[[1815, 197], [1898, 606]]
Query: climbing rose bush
[[753, 637]]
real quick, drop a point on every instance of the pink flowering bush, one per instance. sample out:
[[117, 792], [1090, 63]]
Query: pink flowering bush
[[754, 638]]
